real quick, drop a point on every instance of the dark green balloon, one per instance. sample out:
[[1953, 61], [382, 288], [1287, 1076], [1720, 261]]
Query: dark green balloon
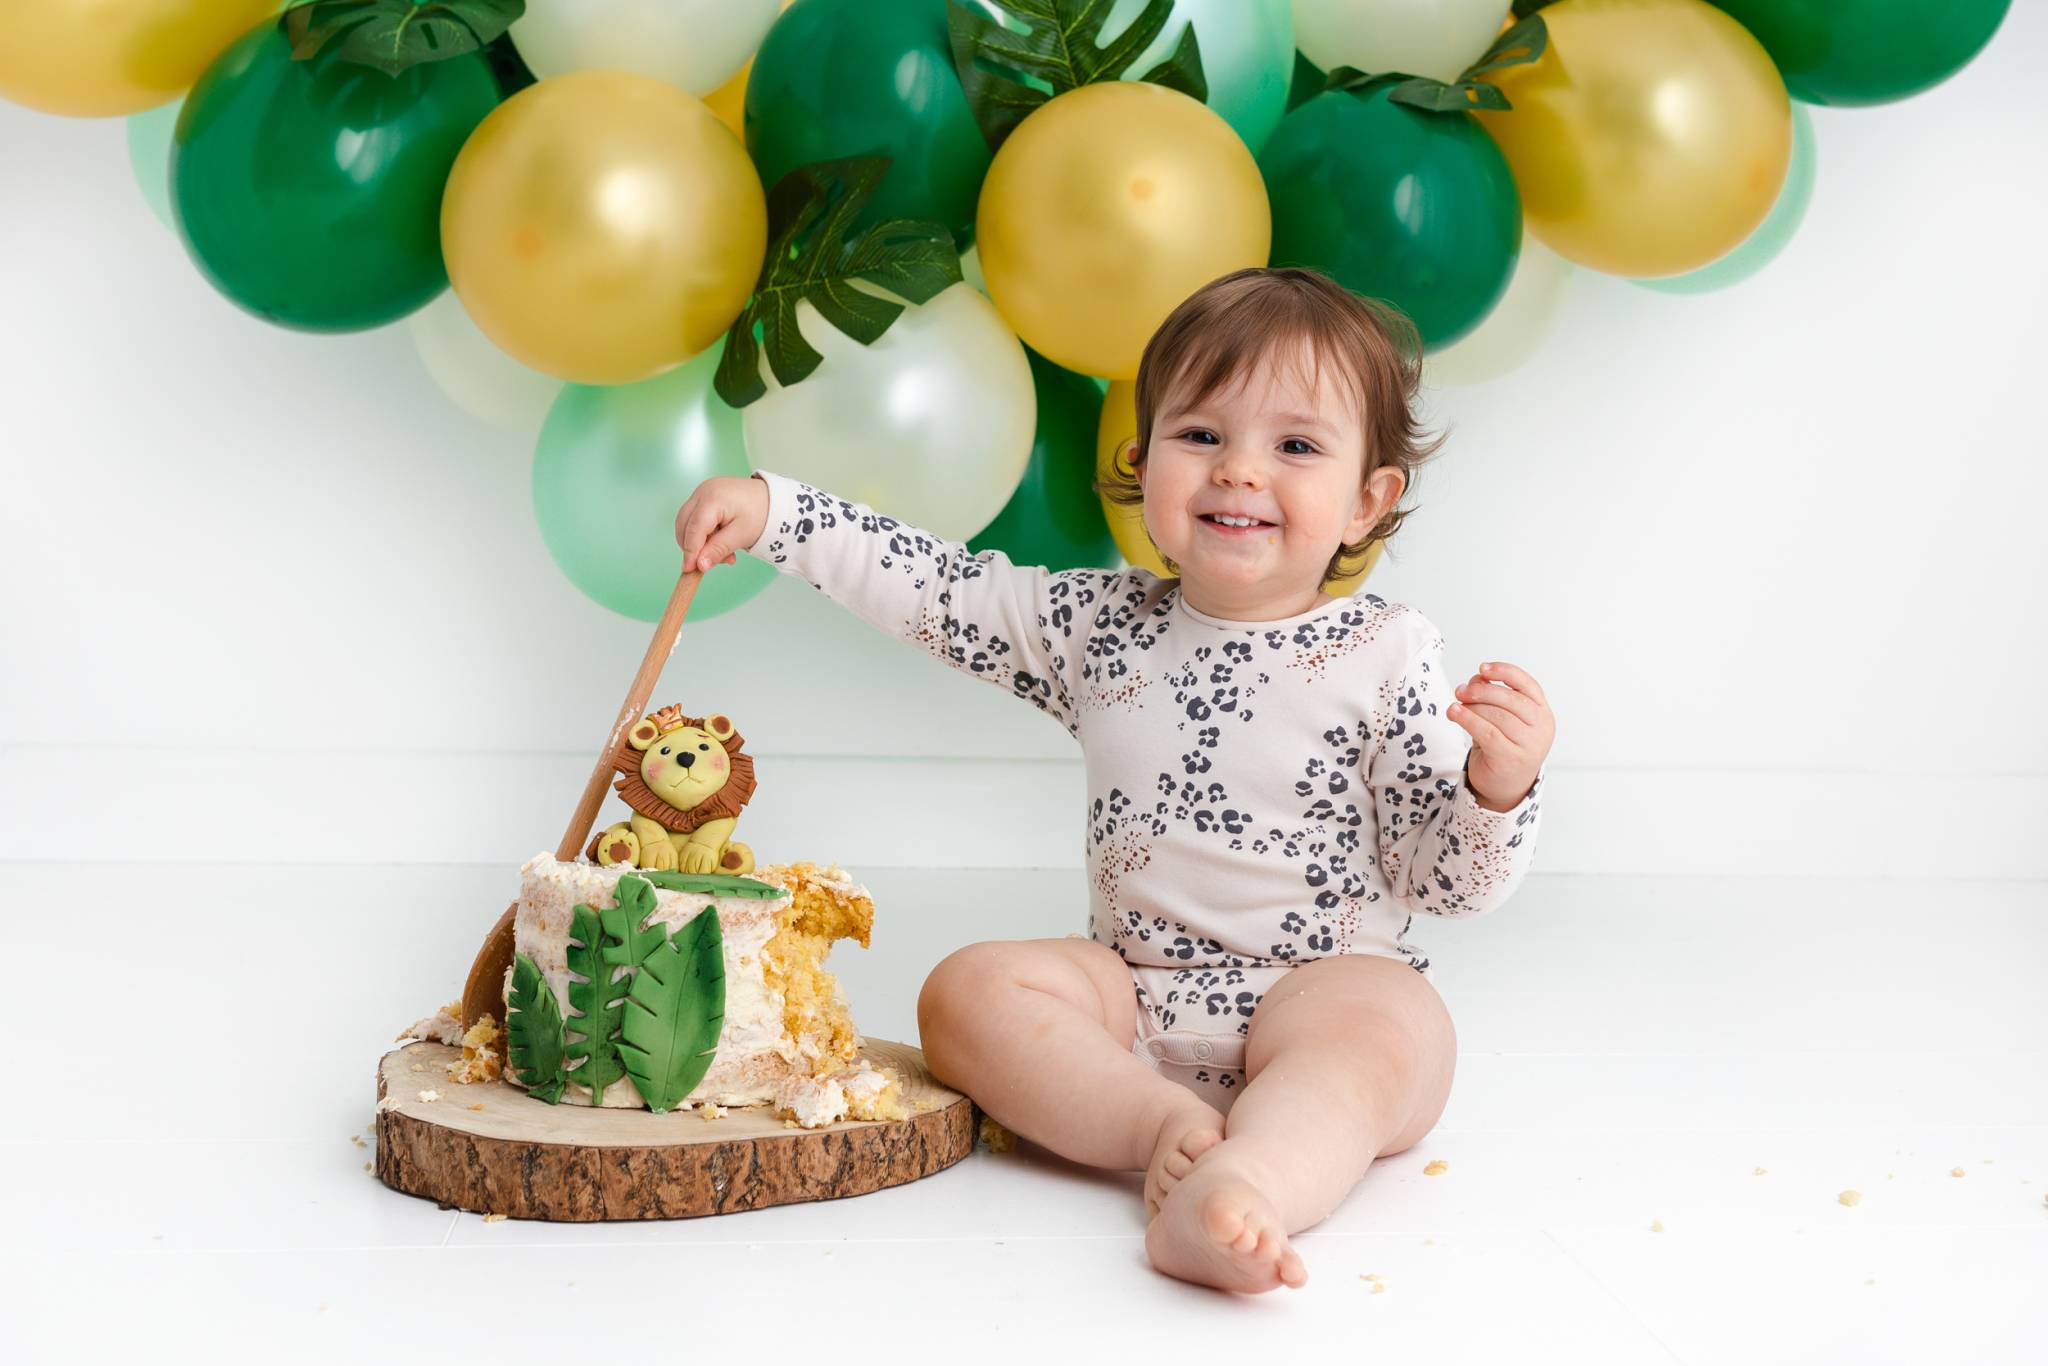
[[1853, 52], [841, 78], [1416, 208], [1055, 518], [1309, 80], [309, 193]]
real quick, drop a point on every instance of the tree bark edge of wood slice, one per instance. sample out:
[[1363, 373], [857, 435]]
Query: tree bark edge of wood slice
[[490, 1148]]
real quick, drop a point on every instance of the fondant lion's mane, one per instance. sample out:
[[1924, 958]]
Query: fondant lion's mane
[[729, 800]]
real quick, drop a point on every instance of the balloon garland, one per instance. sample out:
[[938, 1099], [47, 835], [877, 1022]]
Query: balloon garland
[[676, 238]]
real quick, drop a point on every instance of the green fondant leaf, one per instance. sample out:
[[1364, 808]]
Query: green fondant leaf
[[710, 884], [674, 1012], [1006, 72], [594, 1004], [626, 943], [533, 1025], [811, 258], [392, 35]]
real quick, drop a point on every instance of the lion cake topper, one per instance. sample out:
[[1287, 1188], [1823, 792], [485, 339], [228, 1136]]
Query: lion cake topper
[[687, 779]]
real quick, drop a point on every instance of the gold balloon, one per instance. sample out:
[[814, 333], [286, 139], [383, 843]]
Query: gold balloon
[[1117, 432], [1104, 209], [603, 226], [99, 58], [1650, 139]]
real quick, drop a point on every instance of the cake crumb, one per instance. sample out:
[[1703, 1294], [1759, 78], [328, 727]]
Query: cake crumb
[[999, 1139], [707, 1112], [494, 1218], [1436, 1168], [357, 1139], [1955, 1171], [1656, 1226], [1758, 1172], [1871, 1281], [1377, 1287], [430, 1095], [368, 1166], [1851, 1197]]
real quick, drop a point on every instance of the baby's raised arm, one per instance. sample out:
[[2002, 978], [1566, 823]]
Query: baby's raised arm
[[1010, 625]]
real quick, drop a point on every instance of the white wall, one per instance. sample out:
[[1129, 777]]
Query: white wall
[[1776, 555]]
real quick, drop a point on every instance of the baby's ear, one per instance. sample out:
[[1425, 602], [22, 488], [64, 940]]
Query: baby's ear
[[643, 734], [720, 725]]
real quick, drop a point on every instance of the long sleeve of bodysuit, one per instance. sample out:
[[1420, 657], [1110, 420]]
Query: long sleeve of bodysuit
[[1441, 852], [1010, 625]]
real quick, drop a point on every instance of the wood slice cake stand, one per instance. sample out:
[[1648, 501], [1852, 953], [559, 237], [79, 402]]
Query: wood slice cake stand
[[491, 1148]]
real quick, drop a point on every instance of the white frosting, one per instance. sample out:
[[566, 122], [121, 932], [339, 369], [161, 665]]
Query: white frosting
[[812, 1101], [754, 1047]]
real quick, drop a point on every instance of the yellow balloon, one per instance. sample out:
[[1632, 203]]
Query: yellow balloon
[[1106, 208], [1115, 436], [603, 226], [98, 58], [1650, 139]]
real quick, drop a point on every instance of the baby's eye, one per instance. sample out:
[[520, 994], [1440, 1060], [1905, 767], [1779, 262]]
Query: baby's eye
[[1198, 434], [1292, 441]]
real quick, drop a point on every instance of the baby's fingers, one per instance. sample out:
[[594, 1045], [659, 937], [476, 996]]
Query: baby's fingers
[[1483, 730]]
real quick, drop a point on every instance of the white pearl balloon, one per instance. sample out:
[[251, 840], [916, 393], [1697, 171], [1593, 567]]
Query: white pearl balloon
[[932, 424], [1516, 327], [481, 379], [696, 44], [1438, 38]]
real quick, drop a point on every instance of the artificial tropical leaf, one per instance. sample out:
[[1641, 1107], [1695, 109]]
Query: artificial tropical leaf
[[594, 1006], [711, 884], [1524, 8], [809, 257], [533, 1025], [1062, 47], [392, 35], [1521, 44], [674, 1013]]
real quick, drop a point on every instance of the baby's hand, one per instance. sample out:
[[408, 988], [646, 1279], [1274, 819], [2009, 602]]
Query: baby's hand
[[724, 515], [1511, 727]]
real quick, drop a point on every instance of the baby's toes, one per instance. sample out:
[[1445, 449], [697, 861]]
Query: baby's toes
[[1292, 1271]]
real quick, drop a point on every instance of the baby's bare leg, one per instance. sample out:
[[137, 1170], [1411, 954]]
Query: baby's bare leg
[[1038, 1032], [1349, 1058]]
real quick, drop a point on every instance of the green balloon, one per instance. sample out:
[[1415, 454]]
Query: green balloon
[[1248, 56], [1309, 80], [309, 192], [1758, 249], [613, 465], [1055, 518], [1854, 52], [149, 155], [1416, 208], [840, 78]]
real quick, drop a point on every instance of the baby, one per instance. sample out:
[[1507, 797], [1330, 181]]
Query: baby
[[1246, 1021]]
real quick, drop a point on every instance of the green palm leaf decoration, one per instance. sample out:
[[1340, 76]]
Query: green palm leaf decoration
[[534, 1027], [595, 1004], [392, 35], [810, 257], [674, 1012], [626, 943], [1061, 47]]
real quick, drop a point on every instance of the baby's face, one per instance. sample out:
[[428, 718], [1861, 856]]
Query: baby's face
[[1276, 448]]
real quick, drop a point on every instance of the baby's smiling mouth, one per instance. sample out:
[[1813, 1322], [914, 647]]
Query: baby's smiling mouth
[[1222, 522]]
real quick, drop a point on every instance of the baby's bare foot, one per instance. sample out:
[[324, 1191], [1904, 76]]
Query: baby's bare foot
[[1183, 1136], [1219, 1229]]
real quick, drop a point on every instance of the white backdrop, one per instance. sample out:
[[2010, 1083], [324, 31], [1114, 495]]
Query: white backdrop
[[1776, 554]]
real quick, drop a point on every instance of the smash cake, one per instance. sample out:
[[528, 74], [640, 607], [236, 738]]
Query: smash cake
[[661, 969]]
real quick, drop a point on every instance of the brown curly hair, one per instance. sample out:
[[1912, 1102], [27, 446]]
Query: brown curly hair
[[1241, 320]]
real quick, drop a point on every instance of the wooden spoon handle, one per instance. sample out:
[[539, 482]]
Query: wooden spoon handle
[[484, 992], [666, 633]]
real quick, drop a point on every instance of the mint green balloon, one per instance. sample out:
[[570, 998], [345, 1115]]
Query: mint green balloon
[[1247, 56], [614, 464], [1758, 249], [149, 154]]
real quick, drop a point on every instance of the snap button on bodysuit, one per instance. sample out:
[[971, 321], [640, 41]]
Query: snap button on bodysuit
[[1204, 1049]]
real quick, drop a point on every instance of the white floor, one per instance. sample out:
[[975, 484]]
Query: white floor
[[193, 1077]]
